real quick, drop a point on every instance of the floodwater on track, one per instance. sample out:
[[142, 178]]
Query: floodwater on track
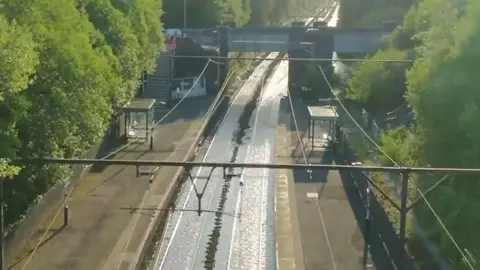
[[205, 239], [238, 139]]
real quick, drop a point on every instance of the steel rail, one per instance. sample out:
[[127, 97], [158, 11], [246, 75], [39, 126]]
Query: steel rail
[[292, 59]]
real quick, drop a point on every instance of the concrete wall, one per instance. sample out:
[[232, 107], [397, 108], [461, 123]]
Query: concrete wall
[[163, 60], [253, 42], [357, 42]]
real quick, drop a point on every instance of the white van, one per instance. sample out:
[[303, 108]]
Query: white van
[[172, 32]]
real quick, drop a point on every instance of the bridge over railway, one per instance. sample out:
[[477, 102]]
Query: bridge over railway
[[297, 40]]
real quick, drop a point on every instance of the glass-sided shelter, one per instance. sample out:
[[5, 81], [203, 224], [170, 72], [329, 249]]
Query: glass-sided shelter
[[139, 118], [327, 116]]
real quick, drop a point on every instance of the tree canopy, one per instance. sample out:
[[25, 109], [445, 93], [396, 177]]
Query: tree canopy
[[211, 13], [371, 13], [443, 38], [379, 86], [62, 70]]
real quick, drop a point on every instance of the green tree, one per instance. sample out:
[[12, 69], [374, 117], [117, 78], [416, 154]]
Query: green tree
[[66, 67], [442, 93], [206, 13], [371, 13], [379, 86], [211, 13], [261, 11], [146, 27], [116, 32], [443, 37], [400, 144], [7, 170], [19, 59], [71, 77]]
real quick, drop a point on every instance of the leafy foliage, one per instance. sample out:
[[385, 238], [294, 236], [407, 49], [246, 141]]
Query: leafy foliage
[[379, 86], [7, 170], [19, 60], [371, 13], [63, 70], [441, 88], [205, 13], [443, 95], [211, 13], [400, 144]]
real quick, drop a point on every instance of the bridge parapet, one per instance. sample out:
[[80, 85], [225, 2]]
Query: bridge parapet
[[299, 41], [267, 39]]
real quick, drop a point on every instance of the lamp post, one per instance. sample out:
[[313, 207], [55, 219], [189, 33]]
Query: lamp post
[[366, 247], [184, 14]]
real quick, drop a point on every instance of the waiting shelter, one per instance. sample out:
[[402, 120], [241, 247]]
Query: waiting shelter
[[326, 114], [139, 119]]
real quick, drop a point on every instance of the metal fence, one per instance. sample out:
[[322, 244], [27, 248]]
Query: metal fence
[[385, 240], [401, 116]]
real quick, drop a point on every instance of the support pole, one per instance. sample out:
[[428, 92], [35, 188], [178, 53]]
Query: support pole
[[403, 219], [170, 77], [2, 231], [223, 37], [146, 126], [184, 14], [219, 85], [65, 206], [199, 201], [366, 248]]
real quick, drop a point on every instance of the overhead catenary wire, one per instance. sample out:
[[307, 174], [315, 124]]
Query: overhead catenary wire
[[326, 11], [450, 236], [184, 96], [353, 119], [68, 195], [226, 165], [207, 116], [147, 192], [302, 145], [397, 165], [348, 60], [137, 218]]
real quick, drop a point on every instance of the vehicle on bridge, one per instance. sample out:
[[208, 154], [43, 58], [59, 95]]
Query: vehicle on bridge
[[172, 32]]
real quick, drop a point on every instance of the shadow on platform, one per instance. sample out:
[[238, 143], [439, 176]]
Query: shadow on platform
[[189, 109], [313, 176], [383, 239]]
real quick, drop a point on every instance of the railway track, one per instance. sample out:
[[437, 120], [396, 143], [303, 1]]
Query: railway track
[[235, 230]]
